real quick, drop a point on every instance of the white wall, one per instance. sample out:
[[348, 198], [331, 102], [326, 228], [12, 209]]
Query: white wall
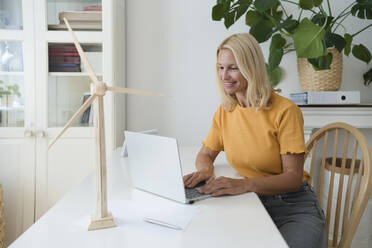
[[171, 47]]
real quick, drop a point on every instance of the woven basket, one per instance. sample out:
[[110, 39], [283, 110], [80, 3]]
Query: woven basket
[[2, 221], [325, 80]]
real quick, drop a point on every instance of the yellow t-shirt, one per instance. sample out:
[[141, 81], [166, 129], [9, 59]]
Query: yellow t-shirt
[[254, 140]]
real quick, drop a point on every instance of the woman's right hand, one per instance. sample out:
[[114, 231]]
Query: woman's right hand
[[196, 177]]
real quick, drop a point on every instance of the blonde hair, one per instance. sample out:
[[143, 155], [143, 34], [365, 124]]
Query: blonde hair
[[251, 64]]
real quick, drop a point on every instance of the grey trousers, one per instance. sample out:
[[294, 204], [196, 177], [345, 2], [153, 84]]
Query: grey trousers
[[298, 217]]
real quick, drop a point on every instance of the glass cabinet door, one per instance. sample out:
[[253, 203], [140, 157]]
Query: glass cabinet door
[[11, 14], [12, 90], [69, 84]]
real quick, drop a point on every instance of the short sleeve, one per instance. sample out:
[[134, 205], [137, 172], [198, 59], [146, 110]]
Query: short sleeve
[[214, 139], [291, 131]]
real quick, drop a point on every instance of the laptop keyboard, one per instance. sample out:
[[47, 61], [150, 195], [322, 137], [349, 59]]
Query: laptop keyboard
[[192, 193]]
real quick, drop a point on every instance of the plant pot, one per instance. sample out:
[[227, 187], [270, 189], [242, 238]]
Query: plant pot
[[325, 80]]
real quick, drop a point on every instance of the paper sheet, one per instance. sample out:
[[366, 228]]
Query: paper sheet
[[165, 210]]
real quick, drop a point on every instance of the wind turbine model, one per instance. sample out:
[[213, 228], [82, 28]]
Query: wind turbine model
[[101, 218]]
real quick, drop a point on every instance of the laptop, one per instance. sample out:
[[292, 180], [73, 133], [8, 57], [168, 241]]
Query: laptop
[[155, 167]]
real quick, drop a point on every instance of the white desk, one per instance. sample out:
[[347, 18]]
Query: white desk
[[231, 221]]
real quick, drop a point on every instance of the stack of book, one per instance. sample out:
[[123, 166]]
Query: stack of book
[[63, 58], [88, 19]]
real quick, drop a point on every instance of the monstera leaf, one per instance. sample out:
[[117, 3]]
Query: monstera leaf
[[262, 5], [230, 11], [362, 53], [308, 40], [309, 4], [367, 77], [276, 50], [363, 9]]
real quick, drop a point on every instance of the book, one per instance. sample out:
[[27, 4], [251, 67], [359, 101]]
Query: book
[[85, 116], [80, 16], [63, 65], [86, 26], [326, 97], [86, 23], [62, 48], [64, 68], [93, 8], [72, 54], [91, 116], [64, 59], [298, 98]]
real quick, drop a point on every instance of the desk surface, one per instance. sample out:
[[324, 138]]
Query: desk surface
[[229, 221]]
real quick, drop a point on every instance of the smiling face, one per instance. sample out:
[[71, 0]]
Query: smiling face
[[230, 75]]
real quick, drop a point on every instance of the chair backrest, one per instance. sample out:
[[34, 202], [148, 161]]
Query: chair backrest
[[341, 172]]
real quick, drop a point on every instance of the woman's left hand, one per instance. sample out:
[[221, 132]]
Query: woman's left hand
[[225, 186]]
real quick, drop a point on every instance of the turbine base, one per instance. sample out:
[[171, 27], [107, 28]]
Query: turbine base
[[101, 223]]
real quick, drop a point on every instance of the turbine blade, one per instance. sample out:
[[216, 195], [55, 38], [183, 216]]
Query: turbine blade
[[134, 91], [84, 59], [81, 110]]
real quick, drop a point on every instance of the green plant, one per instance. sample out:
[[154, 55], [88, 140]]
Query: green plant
[[309, 34], [9, 89], [367, 77]]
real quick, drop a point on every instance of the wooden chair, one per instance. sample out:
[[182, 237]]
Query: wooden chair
[[342, 175]]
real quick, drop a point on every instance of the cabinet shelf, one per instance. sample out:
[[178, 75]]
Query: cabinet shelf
[[16, 35], [82, 36], [11, 73], [70, 74]]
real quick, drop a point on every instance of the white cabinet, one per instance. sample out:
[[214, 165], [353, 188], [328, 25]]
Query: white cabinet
[[34, 178]]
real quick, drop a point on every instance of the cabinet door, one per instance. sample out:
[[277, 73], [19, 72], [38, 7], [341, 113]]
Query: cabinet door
[[62, 87], [17, 142]]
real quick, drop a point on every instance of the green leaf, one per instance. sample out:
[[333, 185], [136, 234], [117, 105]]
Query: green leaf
[[277, 42], [306, 4], [240, 10], [252, 17], [308, 40], [275, 58], [229, 19], [338, 41], [262, 31], [362, 53], [262, 5], [320, 19], [322, 62], [274, 75], [317, 2], [363, 9], [247, 2], [367, 77], [291, 25], [348, 39], [309, 4], [218, 12]]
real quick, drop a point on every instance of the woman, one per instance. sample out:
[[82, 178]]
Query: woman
[[262, 136]]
